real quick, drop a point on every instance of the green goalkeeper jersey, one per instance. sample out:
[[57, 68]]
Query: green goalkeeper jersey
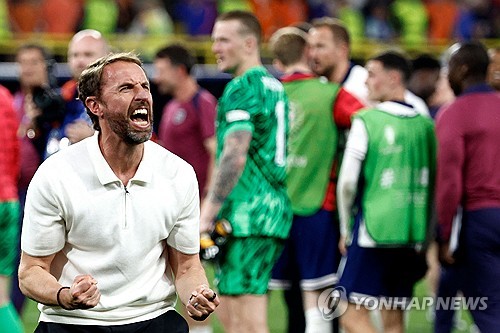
[[258, 205]]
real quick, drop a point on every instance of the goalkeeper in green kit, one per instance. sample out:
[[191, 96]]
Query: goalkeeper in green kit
[[248, 186]]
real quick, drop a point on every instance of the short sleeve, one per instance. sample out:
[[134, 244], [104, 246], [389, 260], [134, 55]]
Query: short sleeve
[[241, 106], [346, 105], [44, 230], [208, 107], [185, 235]]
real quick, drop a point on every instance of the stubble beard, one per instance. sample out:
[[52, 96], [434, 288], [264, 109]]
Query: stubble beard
[[327, 71], [129, 135]]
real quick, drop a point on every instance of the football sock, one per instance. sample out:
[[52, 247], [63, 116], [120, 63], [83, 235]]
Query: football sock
[[315, 322], [9, 320]]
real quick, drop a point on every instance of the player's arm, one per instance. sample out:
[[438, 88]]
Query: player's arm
[[35, 280], [37, 283], [43, 236], [207, 127], [210, 146], [355, 152], [191, 284], [449, 182], [231, 165]]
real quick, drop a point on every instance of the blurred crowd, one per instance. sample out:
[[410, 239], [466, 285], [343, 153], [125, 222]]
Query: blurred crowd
[[410, 20]]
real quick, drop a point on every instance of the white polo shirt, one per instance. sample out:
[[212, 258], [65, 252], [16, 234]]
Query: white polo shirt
[[78, 208]]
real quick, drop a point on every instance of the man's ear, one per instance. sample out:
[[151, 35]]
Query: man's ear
[[251, 43], [181, 70], [278, 65], [463, 71], [93, 105], [396, 77], [343, 48]]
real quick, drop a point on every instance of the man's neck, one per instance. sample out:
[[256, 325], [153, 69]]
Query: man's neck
[[297, 68], [122, 158], [186, 90], [398, 95], [248, 64], [340, 72]]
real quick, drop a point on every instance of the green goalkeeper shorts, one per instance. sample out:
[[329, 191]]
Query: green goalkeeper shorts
[[246, 264], [9, 236]]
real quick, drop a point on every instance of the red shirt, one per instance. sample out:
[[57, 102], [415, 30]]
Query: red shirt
[[344, 107], [468, 132], [185, 126], [9, 147]]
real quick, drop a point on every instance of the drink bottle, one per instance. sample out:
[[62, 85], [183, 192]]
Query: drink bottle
[[211, 243]]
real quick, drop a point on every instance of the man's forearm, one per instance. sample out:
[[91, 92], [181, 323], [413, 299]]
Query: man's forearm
[[231, 166], [36, 282], [346, 192], [187, 282], [189, 274], [226, 175]]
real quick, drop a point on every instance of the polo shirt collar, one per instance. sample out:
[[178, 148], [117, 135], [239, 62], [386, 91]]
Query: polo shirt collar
[[103, 171]]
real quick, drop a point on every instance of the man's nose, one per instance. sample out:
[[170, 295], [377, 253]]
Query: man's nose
[[215, 47], [142, 93]]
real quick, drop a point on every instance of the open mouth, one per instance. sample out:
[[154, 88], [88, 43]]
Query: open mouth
[[219, 59], [140, 117]]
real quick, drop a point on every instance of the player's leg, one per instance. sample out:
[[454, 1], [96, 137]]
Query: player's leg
[[353, 281], [315, 322], [482, 263], [405, 266], [223, 312], [243, 278], [356, 319], [16, 296], [293, 299], [433, 272], [248, 313], [369, 273], [286, 277], [392, 320], [449, 285], [9, 213], [360, 277], [317, 256]]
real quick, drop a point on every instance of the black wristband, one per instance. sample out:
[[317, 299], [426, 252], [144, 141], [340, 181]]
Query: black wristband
[[58, 297]]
